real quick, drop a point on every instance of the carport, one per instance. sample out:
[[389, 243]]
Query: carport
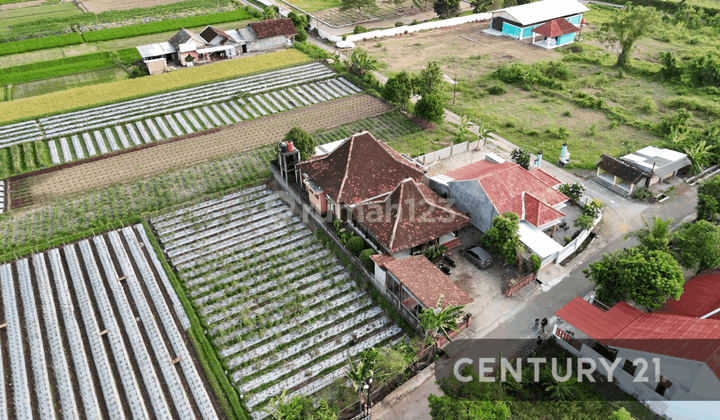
[[539, 243]]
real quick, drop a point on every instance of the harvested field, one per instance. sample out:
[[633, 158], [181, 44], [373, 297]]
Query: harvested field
[[157, 158], [96, 330], [70, 81], [99, 6]]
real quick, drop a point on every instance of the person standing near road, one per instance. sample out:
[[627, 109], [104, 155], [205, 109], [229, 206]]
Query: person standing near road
[[543, 324], [537, 322]]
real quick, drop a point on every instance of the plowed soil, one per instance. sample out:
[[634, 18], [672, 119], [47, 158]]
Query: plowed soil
[[190, 151]]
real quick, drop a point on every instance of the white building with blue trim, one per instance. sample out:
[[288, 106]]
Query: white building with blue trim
[[519, 21]]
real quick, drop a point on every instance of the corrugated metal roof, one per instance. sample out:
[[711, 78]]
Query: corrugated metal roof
[[155, 50], [666, 161], [542, 11]]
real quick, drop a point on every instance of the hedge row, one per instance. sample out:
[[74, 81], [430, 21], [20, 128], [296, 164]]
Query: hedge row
[[28, 45], [670, 7], [165, 26], [68, 65]]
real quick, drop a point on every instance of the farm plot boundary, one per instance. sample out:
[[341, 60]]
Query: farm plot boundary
[[109, 93], [154, 158], [68, 81]]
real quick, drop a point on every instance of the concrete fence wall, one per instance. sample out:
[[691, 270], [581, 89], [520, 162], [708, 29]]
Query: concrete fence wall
[[577, 242], [447, 152], [479, 17]]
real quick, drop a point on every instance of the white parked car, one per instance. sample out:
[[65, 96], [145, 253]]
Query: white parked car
[[345, 44]]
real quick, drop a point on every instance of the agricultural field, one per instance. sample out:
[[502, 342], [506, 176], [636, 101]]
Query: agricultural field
[[96, 330], [31, 13], [108, 129], [70, 81], [280, 309], [388, 126], [91, 96], [162, 156], [99, 6], [314, 5]]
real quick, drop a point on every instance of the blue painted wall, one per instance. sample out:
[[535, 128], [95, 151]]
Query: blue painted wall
[[527, 31], [575, 20], [511, 30], [566, 39]]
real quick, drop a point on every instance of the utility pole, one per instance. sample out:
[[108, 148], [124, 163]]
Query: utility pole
[[454, 87]]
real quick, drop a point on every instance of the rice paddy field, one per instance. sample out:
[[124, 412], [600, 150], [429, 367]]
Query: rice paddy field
[[9, 18], [70, 81]]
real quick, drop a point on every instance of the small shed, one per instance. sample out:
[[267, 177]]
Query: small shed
[[155, 56], [658, 164], [519, 21], [556, 33], [618, 175], [270, 34]]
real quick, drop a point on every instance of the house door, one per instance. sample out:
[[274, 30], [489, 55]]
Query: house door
[[497, 24], [244, 48]]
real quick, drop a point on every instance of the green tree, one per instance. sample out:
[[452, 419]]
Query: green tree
[[655, 237], [365, 258], [304, 142], [704, 70], [503, 236], [481, 6], [430, 108], [398, 89], [626, 27], [363, 372], [464, 128], [700, 155], [270, 12], [521, 157], [429, 81], [440, 320], [670, 70], [583, 222], [355, 245], [645, 277], [360, 5], [447, 8], [444, 407], [708, 203], [361, 62], [698, 245], [573, 191], [299, 20], [621, 414]]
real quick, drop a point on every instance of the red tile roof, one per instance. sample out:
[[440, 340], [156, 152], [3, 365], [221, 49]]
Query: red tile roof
[[600, 325], [382, 259], [273, 27], [505, 184], [359, 169], [701, 296], [555, 28], [545, 177], [421, 216], [427, 282], [657, 333]]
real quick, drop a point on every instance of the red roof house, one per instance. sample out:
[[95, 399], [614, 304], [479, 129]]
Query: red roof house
[[508, 187], [426, 282], [675, 333], [555, 28], [361, 169], [410, 216], [700, 298]]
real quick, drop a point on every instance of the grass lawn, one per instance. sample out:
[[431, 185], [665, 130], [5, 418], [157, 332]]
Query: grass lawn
[[70, 81], [314, 5]]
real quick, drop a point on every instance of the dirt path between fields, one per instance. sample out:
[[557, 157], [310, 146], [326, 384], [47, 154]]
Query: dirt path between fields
[[186, 152]]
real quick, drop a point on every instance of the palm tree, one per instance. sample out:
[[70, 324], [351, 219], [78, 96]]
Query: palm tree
[[362, 373], [464, 126], [559, 390], [656, 237], [361, 62], [484, 130], [699, 155], [274, 405], [269, 13], [440, 320]]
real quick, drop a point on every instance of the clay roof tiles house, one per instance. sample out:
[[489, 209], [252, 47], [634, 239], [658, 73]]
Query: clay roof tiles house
[[555, 28], [420, 217], [510, 187], [273, 27], [700, 298], [426, 282], [361, 168], [183, 36]]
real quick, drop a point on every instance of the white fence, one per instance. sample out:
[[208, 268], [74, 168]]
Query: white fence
[[447, 152], [575, 243], [479, 17]]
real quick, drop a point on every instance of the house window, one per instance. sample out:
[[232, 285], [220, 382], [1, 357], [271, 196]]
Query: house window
[[393, 286], [317, 196], [629, 367]]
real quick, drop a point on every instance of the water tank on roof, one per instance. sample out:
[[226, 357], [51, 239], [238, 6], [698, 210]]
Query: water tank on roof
[[290, 146], [283, 147]]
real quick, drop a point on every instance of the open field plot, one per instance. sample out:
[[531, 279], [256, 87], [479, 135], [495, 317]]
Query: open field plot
[[163, 156], [99, 6], [95, 330], [90, 96], [314, 5], [280, 309], [70, 81], [129, 124], [383, 11]]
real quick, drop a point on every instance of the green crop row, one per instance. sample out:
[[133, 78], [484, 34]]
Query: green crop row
[[165, 26], [12, 1], [140, 12], [69, 65], [40, 43]]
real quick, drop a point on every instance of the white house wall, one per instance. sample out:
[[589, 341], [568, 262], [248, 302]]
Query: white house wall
[[268, 43]]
